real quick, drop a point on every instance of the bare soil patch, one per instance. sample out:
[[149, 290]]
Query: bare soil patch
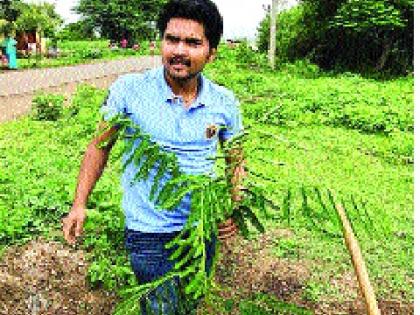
[[44, 277], [249, 266]]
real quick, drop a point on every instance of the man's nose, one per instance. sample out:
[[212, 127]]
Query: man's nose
[[180, 48]]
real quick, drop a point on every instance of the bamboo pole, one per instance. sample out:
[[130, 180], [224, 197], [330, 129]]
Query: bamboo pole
[[358, 263]]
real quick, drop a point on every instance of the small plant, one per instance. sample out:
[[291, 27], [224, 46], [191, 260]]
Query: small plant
[[47, 106], [92, 53]]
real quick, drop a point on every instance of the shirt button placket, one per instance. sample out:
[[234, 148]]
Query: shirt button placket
[[180, 114]]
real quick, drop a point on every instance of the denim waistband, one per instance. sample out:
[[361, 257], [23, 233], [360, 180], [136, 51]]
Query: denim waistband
[[145, 240]]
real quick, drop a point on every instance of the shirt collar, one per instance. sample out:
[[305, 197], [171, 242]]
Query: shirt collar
[[202, 98]]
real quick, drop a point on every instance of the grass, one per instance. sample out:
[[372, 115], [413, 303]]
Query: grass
[[345, 133], [348, 171], [340, 132]]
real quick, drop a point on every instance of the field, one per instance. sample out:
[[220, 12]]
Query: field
[[341, 132], [77, 52]]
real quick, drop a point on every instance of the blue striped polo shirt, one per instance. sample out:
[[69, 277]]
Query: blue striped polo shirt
[[150, 103]]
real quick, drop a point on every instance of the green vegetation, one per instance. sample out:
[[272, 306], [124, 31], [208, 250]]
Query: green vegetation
[[47, 106], [80, 30], [364, 36], [78, 52], [346, 133], [343, 132], [21, 17], [116, 19]]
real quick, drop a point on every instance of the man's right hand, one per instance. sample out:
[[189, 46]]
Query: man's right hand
[[73, 224]]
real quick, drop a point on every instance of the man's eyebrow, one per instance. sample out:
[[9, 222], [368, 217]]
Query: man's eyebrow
[[187, 39], [193, 40], [171, 36]]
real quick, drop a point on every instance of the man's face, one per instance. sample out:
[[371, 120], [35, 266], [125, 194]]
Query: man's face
[[185, 49]]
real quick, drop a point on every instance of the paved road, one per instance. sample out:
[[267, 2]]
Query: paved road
[[28, 81], [17, 88]]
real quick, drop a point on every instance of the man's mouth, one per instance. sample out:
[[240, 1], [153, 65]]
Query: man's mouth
[[179, 62]]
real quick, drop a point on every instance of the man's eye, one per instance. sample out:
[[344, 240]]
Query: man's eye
[[193, 43], [172, 39]]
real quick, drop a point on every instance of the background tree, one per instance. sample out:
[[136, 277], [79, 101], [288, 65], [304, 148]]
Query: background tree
[[132, 19], [9, 12], [38, 17], [79, 30], [361, 35]]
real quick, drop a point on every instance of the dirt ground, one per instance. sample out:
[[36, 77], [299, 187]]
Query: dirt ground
[[15, 106], [17, 88], [252, 268], [46, 277]]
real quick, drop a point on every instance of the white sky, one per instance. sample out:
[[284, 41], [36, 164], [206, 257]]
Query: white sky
[[241, 17]]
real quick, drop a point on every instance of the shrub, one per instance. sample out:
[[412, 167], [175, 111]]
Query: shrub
[[93, 53], [47, 106]]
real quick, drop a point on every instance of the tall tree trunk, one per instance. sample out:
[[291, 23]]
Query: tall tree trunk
[[386, 50]]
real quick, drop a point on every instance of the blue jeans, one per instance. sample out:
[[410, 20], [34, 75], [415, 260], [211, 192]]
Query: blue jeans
[[150, 261]]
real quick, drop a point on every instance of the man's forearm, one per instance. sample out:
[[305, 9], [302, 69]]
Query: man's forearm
[[236, 171], [91, 169]]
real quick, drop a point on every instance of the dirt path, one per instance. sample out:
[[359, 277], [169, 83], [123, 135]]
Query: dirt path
[[18, 88]]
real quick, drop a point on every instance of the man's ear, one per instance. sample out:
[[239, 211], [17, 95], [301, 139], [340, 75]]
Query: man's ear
[[212, 55]]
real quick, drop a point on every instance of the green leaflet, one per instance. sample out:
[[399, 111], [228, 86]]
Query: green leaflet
[[175, 189], [147, 165], [178, 195], [139, 152], [179, 239], [177, 253], [153, 156], [322, 203], [240, 221], [287, 206], [253, 218], [212, 204], [189, 256], [217, 210], [159, 175], [195, 286]]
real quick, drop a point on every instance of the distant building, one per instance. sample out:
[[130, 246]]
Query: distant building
[[31, 42]]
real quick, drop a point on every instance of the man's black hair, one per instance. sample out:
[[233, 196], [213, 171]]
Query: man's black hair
[[202, 11]]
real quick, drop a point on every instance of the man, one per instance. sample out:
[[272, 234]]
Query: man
[[182, 111]]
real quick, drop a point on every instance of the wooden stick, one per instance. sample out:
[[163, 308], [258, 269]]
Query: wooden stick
[[358, 263]]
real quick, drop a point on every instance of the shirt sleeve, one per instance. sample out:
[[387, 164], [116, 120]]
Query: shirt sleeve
[[233, 122], [115, 103]]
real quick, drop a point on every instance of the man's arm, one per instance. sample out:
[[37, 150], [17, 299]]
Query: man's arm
[[235, 173], [93, 164]]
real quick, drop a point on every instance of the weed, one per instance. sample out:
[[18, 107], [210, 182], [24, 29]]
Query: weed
[[47, 106]]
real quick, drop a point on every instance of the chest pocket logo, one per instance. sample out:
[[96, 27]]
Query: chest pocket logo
[[211, 131]]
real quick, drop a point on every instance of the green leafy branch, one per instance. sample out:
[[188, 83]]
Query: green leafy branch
[[211, 204]]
